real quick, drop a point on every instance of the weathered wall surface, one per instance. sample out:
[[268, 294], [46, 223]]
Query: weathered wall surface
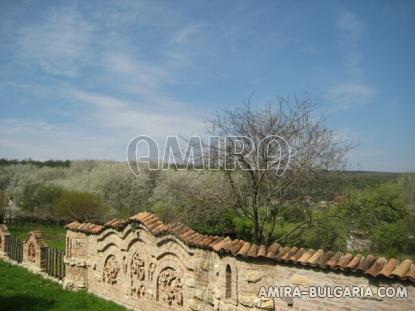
[[136, 266], [4, 237], [34, 252]]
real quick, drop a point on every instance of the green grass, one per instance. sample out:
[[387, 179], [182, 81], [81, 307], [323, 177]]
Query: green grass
[[53, 236], [21, 290]]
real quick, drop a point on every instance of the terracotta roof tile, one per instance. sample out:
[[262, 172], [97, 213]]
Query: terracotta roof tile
[[281, 252], [289, 253], [411, 273], [218, 246], [344, 261], [296, 255], [262, 252], [327, 260], [115, 223], [354, 262], [332, 262], [272, 250], [376, 267], [306, 256], [366, 263], [84, 227], [322, 260], [402, 268], [389, 267], [313, 260], [244, 249], [237, 247], [253, 251]]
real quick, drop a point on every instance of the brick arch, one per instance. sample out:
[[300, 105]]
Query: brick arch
[[111, 238], [169, 287], [111, 270], [34, 250]]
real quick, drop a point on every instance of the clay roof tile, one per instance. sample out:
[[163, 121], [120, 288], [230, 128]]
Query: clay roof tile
[[306, 256], [411, 273], [218, 246], [244, 249], [354, 262], [282, 251], [253, 251], [389, 267], [402, 268], [272, 250], [332, 262], [262, 252], [313, 260], [324, 258], [237, 247], [366, 263], [344, 261], [296, 256], [376, 267]]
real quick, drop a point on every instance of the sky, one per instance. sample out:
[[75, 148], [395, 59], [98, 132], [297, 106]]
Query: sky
[[79, 79]]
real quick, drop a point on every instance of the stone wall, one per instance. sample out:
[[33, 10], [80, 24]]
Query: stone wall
[[4, 237], [144, 267], [34, 251]]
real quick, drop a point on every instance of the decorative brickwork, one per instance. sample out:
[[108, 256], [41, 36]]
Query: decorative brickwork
[[34, 251], [144, 264]]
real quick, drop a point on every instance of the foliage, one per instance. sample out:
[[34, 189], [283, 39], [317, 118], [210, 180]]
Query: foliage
[[390, 238], [329, 231], [283, 148], [48, 163], [21, 290], [382, 215], [40, 199], [78, 205], [196, 198], [380, 205]]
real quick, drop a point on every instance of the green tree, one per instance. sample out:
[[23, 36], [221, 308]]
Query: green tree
[[81, 206], [381, 213]]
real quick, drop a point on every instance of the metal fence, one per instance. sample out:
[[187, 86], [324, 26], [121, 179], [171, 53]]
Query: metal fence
[[54, 263], [14, 249]]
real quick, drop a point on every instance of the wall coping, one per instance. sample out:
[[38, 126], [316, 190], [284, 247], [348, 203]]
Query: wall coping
[[369, 265]]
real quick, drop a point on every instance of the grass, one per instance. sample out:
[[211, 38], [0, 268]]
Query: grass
[[54, 236], [22, 290]]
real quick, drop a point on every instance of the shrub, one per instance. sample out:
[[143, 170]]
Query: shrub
[[81, 206]]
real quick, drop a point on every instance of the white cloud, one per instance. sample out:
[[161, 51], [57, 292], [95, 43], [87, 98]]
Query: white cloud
[[41, 140], [134, 119], [348, 95], [351, 29], [134, 75], [184, 34], [125, 94], [58, 44], [353, 92]]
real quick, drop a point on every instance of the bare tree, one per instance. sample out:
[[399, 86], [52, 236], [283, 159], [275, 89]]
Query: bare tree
[[269, 156]]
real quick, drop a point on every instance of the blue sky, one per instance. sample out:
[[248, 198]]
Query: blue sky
[[80, 79]]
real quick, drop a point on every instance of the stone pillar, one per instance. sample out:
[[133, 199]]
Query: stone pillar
[[4, 239], [76, 272], [35, 251]]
